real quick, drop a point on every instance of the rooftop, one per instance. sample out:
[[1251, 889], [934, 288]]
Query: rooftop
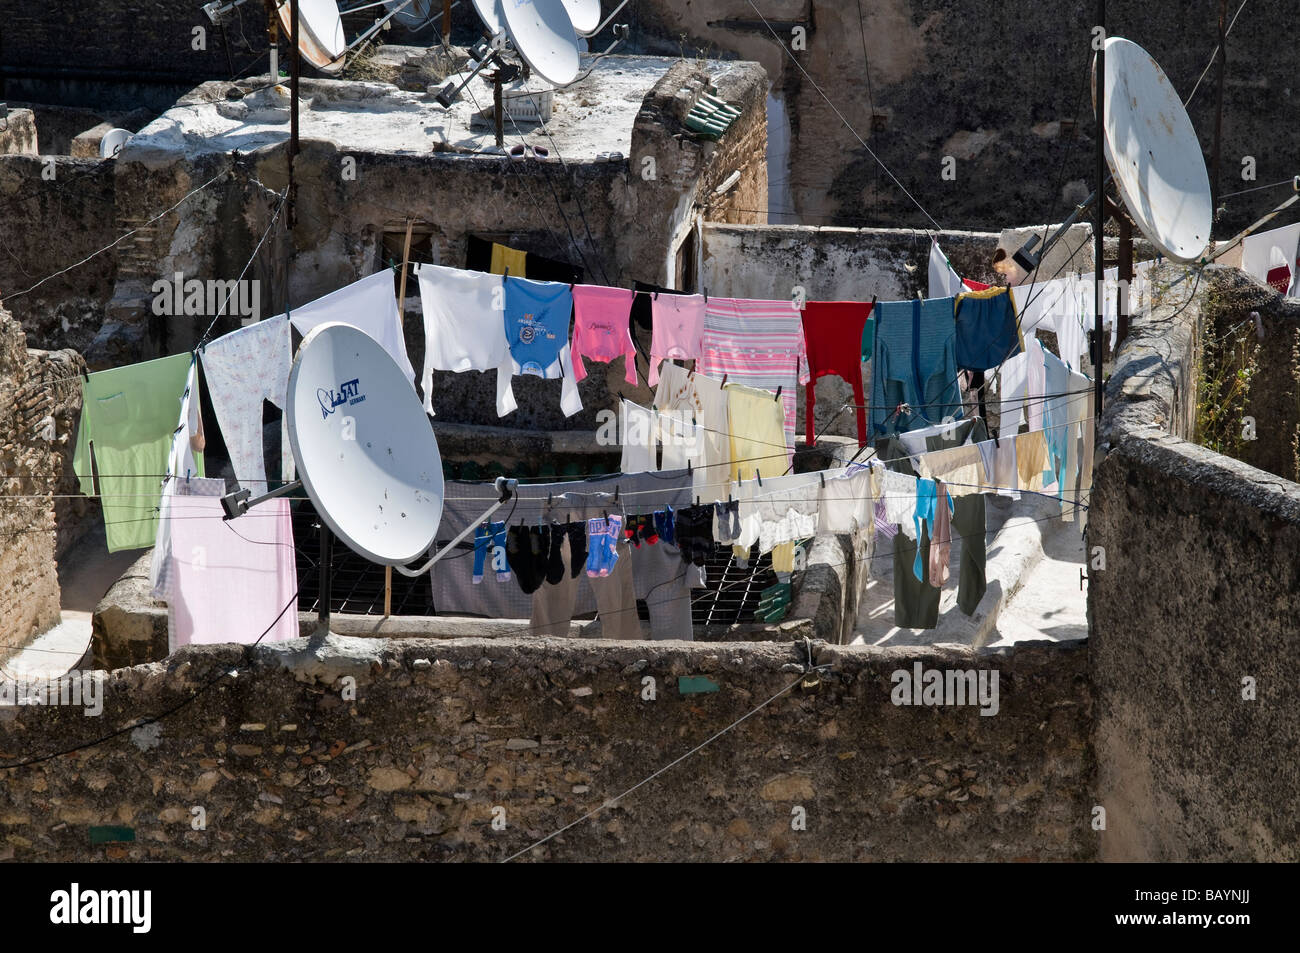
[[592, 117]]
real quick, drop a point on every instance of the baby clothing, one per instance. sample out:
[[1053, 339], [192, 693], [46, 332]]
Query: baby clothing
[[491, 537], [758, 343], [462, 327], [602, 544], [681, 437], [369, 305], [703, 400], [678, 331], [537, 330], [833, 334], [846, 503], [693, 528], [243, 369], [600, 328], [755, 421], [781, 510]]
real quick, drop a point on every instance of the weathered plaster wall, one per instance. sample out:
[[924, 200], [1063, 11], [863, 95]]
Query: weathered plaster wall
[[18, 133], [441, 733], [989, 85], [31, 462], [1199, 594]]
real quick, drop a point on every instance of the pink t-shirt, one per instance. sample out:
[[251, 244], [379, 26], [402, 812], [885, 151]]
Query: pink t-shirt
[[678, 330], [600, 328]]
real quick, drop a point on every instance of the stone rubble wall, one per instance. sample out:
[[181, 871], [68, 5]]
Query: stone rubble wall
[[441, 737]]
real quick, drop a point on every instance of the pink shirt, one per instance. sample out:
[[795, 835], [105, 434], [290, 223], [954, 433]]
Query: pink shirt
[[600, 328], [678, 330]]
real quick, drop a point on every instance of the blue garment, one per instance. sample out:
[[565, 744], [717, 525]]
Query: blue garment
[[602, 544], [915, 364], [537, 323], [493, 534], [664, 524], [987, 331], [1056, 418], [536, 320], [927, 498]]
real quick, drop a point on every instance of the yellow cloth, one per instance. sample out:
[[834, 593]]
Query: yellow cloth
[[960, 468], [1031, 457], [756, 420], [503, 258]]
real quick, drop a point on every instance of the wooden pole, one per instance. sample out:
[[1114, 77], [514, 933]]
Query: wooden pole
[[446, 22], [401, 320]]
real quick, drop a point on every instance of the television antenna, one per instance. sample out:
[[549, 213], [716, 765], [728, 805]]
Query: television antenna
[[366, 456]]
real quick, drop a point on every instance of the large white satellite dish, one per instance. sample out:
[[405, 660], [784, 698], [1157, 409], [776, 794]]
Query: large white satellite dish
[[544, 36], [320, 32], [489, 11], [1154, 154], [584, 14], [363, 445]]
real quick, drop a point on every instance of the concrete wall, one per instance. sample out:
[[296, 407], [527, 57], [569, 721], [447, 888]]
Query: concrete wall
[[1192, 644], [440, 734]]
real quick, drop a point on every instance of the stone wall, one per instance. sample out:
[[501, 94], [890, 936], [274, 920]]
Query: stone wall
[[18, 133], [1274, 396], [57, 212], [442, 734], [29, 470], [995, 86], [1192, 644]]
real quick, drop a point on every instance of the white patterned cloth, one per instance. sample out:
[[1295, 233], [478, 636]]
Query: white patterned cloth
[[243, 369]]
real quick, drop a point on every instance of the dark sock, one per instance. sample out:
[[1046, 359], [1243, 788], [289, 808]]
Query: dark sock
[[555, 559], [519, 554], [577, 547]]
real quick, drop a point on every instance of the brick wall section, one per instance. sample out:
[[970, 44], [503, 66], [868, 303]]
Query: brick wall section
[[1200, 591], [441, 733], [29, 470]]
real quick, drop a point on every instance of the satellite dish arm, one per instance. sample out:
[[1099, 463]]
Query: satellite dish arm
[[1027, 258], [505, 489]]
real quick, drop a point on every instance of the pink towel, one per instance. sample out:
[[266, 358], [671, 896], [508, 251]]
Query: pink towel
[[230, 581], [600, 328]]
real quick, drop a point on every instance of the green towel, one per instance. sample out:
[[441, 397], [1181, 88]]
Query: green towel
[[129, 413]]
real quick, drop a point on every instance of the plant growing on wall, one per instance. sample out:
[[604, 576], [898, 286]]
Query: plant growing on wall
[[1228, 363]]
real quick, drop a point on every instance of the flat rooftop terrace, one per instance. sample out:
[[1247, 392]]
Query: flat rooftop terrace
[[591, 118]]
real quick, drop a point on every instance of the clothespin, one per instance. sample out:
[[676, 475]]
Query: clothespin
[[85, 373], [759, 477], [654, 296], [874, 300], [822, 474], [724, 380], [187, 475], [777, 396], [615, 492], [689, 468]]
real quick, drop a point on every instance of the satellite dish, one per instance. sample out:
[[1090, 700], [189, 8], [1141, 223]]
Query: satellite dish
[[412, 14], [584, 14], [113, 142], [1154, 153], [363, 445], [544, 36], [320, 32], [489, 11]]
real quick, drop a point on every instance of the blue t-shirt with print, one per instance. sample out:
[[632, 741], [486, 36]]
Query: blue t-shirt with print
[[537, 322]]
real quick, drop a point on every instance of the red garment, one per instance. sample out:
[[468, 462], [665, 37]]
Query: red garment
[[973, 285], [833, 333]]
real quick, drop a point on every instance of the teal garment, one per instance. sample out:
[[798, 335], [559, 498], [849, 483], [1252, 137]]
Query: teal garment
[[869, 337], [129, 415], [915, 363], [1056, 419]]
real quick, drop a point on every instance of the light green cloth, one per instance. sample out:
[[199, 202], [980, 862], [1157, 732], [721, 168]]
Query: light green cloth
[[130, 413]]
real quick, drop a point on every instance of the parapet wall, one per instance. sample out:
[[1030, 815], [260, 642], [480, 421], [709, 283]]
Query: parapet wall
[[1192, 646], [283, 762]]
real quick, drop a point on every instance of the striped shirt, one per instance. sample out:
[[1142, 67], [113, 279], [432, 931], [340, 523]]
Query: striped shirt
[[759, 344]]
